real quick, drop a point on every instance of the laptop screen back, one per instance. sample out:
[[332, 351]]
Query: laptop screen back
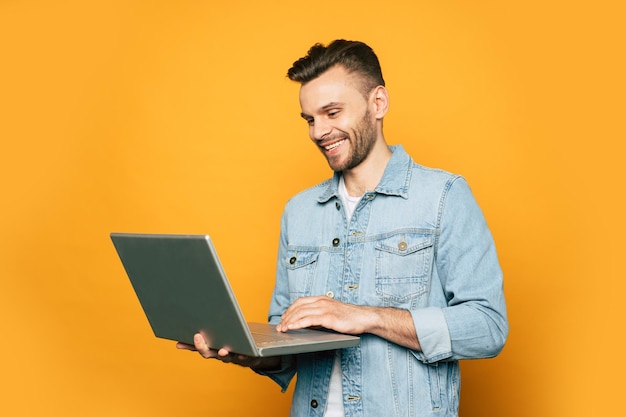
[[183, 289]]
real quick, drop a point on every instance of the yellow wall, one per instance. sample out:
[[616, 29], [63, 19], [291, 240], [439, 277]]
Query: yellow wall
[[176, 116]]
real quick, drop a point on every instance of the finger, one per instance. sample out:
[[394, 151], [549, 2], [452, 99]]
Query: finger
[[312, 306], [185, 346], [203, 347], [301, 318], [306, 312], [227, 357], [304, 301]]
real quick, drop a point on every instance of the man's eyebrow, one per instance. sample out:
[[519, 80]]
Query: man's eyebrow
[[330, 105], [322, 109]]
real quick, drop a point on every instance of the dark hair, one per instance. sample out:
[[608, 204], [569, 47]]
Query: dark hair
[[354, 56]]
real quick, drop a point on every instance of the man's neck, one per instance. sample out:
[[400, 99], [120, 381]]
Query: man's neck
[[367, 175]]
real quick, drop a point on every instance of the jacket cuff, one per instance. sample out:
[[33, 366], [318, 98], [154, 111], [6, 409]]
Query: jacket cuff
[[432, 333], [283, 375]]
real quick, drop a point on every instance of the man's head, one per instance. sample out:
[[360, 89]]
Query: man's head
[[343, 101], [356, 57]]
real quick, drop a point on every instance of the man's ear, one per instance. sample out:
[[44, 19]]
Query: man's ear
[[380, 102]]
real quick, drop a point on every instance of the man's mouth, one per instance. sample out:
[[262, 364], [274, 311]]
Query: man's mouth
[[333, 145]]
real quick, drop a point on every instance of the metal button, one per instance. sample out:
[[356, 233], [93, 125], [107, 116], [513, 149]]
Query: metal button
[[337, 205], [292, 260], [336, 242], [330, 294], [314, 403], [402, 245]]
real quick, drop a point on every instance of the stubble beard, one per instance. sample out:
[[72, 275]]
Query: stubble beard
[[362, 141]]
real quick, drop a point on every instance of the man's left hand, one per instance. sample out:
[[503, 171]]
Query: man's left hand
[[393, 324], [328, 313]]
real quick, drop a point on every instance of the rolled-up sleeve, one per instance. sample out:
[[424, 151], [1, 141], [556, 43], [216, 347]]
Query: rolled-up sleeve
[[473, 323]]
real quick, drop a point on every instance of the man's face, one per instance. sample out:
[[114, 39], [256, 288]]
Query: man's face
[[339, 119]]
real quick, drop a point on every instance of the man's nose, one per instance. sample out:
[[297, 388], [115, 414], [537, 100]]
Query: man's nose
[[320, 130]]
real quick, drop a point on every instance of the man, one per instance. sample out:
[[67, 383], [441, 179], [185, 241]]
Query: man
[[386, 249]]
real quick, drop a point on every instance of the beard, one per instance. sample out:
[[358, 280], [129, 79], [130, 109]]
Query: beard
[[361, 141]]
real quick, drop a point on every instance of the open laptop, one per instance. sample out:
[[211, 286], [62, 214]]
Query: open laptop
[[183, 290]]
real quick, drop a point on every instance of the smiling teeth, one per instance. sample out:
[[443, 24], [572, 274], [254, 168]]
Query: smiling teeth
[[333, 146]]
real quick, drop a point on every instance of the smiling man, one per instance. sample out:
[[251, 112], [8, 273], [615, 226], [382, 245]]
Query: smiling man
[[342, 120], [387, 249]]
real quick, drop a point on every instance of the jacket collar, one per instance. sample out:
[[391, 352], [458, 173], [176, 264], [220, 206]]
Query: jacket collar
[[395, 181]]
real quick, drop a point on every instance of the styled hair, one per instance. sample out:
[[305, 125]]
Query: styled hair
[[354, 56]]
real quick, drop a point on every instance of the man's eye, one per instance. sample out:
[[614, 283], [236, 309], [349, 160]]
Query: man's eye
[[309, 122], [333, 113]]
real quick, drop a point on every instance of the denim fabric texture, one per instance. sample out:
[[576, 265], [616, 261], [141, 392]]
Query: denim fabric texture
[[417, 242]]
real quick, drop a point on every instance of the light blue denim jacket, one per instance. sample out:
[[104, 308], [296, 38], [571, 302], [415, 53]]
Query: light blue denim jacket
[[417, 242]]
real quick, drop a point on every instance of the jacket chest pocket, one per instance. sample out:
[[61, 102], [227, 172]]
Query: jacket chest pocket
[[301, 267], [403, 264]]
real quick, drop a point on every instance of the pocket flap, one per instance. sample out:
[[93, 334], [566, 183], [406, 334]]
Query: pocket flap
[[297, 259]]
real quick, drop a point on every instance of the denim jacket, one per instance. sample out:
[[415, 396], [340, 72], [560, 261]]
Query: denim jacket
[[418, 242]]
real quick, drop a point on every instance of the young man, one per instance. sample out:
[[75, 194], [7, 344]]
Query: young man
[[386, 249]]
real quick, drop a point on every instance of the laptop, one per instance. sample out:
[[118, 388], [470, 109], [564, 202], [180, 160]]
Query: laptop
[[183, 290]]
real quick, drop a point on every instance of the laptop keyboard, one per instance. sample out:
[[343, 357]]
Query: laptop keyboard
[[276, 337]]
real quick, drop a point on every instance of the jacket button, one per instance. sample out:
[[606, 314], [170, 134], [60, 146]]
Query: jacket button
[[337, 205], [402, 245], [336, 242], [314, 403], [330, 294], [292, 260]]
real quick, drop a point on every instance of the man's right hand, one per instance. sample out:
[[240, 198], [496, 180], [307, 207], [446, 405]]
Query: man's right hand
[[201, 346]]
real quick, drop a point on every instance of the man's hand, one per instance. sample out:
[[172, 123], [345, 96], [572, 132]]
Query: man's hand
[[328, 313], [202, 347], [392, 324]]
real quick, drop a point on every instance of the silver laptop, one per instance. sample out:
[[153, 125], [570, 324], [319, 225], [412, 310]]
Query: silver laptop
[[183, 290]]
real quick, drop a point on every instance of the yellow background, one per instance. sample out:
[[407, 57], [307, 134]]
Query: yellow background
[[176, 116]]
